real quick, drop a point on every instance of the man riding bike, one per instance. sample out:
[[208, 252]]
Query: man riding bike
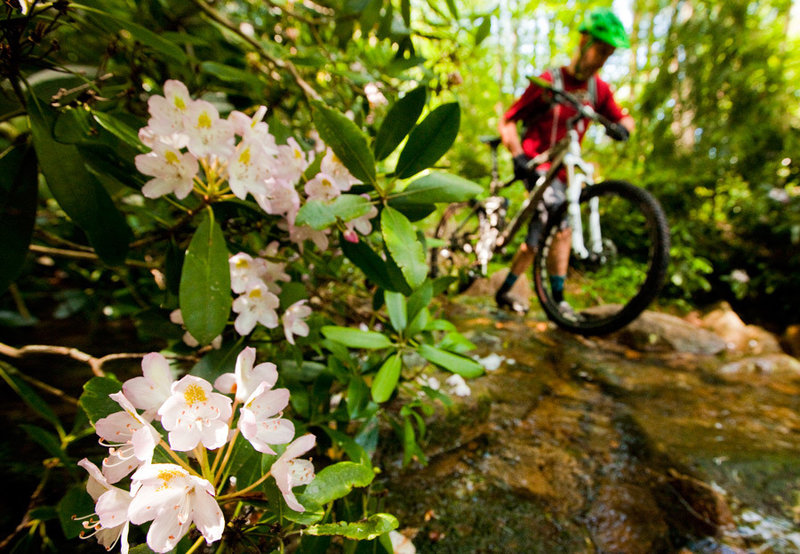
[[545, 124]]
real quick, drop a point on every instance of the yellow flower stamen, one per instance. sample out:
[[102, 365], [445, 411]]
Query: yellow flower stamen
[[194, 394]]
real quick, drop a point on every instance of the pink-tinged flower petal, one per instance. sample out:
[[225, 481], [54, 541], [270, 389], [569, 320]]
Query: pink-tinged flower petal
[[226, 383], [168, 528], [248, 378], [193, 413], [111, 509], [289, 472], [154, 387], [208, 517]]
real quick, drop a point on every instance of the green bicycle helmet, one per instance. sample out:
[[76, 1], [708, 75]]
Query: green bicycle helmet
[[603, 25]]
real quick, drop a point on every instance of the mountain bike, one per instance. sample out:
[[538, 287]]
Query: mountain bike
[[620, 237]]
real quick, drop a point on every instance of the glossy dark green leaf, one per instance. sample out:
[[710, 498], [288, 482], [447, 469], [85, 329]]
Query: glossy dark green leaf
[[374, 526], [452, 362], [399, 121], [429, 140], [356, 338], [76, 190], [95, 401], [205, 293], [386, 379], [336, 481], [120, 129], [396, 306], [420, 299], [18, 195], [143, 35], [451, 5], [48, 441], [320, 215], [76, 502], [369, 262], [400, 238], [435, 187], [346, 140]]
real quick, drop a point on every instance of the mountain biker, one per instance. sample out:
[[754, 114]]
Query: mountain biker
[[545, 124]]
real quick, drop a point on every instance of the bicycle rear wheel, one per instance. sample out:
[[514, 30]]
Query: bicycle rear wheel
[[608, 290], [458, 232]]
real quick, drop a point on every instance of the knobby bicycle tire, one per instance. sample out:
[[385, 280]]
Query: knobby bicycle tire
[[458, 228], [607, 292]]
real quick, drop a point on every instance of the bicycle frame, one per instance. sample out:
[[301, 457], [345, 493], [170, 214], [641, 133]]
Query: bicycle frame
[[567, 154]]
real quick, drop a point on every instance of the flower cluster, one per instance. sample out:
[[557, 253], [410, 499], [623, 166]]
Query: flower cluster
[[238, 155], [197, 420]]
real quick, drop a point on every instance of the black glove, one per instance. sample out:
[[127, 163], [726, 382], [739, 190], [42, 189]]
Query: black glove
[[617, 132], [521, 169]]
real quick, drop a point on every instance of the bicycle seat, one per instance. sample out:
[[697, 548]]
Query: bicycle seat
[[494, 142]]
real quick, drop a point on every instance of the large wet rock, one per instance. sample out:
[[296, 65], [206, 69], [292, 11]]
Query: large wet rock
[[606, 444]]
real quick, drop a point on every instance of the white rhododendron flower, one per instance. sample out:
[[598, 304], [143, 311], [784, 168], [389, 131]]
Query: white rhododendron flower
[[109, 524], [149, 391], [208, 134], [322, 188], [279, 198], [300, 234], [193, 414], [131, 438], [246, 378], [173, 499], [294, 320], [332, 166], [401, 544], [289, 472], [167, 112], [256, 305], [172, 171], [244, 268], [258, 422]]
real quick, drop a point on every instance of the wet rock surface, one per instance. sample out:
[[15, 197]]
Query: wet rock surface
[[666, 437]]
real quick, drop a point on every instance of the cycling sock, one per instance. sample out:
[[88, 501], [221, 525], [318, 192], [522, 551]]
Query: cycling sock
[[507, 284], [557, 287]]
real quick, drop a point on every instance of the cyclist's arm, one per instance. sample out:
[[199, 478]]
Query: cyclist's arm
[[510, 136]]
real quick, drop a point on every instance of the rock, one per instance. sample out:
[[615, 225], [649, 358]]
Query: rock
[[626, 518], [769, 366], [660, 332], [790, 340], [739, 336]]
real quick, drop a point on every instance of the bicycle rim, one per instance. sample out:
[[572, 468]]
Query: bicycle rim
[[606, 292], [457, 231]]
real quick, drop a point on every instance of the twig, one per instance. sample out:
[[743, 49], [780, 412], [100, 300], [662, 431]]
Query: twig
[[79, 255], [283, 64]]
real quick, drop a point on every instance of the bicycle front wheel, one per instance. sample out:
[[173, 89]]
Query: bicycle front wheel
[[610, 288], [454, 254]]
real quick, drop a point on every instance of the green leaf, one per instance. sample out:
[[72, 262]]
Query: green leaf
[[374, 526], [420, 299], [205, 293], [451, 362], [19, 188], [141, 34], [399, 121], [435, 187], [48, 441], [346, 140], [354, 450], [386, 379], [35, 402], [396, 306], [419, 322], [429, 140], [119, 129], [356, 338], [76, 190], [229, 74], [95, 401], [368, 261], [401, 241], [336, 481], [483, 30], [76, 502], [319, 214]]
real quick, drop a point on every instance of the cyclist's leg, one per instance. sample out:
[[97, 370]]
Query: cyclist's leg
[[558, 258]]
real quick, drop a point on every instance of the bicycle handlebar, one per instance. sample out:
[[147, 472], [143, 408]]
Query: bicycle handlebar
[[584, 110]]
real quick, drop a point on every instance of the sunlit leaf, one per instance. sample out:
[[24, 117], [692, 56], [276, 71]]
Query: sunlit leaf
[[451, 362], [401, 241], [386, 379], [336, 481], [356, 338], [319, 214], [374, 526], [346, 140], [398, 311]]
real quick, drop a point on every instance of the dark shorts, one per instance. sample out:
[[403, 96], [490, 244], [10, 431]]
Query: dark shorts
[[554, 197]]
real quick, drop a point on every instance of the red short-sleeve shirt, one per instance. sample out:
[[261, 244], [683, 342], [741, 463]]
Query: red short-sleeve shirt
[[538, 115]]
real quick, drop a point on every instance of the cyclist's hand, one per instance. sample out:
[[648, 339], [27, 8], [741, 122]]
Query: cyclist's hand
[[617, 132], [521, 169]]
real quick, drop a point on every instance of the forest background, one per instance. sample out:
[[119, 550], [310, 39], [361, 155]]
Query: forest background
[[711, 85]]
